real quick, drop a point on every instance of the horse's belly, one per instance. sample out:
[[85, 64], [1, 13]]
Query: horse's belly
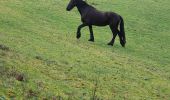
[[100, 22], [95, 18]]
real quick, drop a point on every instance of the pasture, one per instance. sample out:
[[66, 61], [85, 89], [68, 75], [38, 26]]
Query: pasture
[[38, 43]]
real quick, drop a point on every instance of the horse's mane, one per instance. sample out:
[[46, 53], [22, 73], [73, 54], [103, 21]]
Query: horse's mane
[[84, 3]]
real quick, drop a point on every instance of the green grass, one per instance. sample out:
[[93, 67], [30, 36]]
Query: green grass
[[40, 36]]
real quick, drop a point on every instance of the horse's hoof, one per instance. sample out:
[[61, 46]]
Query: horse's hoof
[[91, 40], [78, 36], [111, 44], [123, 44]]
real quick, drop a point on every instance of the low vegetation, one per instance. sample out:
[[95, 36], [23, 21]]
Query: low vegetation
[[40, 57]]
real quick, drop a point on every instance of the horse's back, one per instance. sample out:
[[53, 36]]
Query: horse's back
[[93, 16], [97, 18]]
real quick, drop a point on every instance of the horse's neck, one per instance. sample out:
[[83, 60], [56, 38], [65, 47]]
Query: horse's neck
[[81, 8]]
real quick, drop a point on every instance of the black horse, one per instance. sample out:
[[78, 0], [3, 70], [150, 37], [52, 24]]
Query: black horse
[[91, 16]]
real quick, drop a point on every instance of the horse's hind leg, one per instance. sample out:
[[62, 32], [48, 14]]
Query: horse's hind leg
[[115, 32], [91, 33], [79, 30], [121, 39]]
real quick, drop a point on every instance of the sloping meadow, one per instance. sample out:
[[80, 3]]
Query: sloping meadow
[[40, 57]]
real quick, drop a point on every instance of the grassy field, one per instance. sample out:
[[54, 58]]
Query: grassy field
[[38, 42]]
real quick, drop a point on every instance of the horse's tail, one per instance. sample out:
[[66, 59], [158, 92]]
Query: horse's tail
[[122, 30]]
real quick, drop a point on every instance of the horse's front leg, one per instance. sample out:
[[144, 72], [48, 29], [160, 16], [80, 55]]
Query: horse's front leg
[[79, 30], [91, 33]]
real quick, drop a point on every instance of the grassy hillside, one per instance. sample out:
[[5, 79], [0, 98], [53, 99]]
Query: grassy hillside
[[37, 42]]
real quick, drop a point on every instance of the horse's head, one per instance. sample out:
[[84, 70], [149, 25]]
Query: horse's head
[[71, 5], [74, 3]]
